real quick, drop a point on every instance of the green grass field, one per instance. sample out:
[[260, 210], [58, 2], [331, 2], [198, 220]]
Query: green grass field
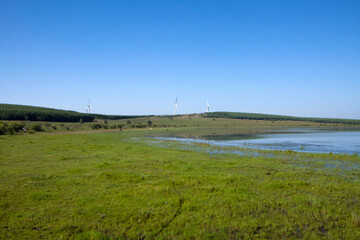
[[182, 124], [122, 185]]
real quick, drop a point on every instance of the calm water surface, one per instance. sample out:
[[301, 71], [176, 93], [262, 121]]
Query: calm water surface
[[302, 140]]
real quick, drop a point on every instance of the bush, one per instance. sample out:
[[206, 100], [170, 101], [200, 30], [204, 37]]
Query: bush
[[10, 131], [11, 128], [16, 126], [95, 126], [36, 127], [140, 125], [2, 130]]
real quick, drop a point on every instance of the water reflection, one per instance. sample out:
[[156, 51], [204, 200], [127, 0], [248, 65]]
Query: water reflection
[[296, 139]]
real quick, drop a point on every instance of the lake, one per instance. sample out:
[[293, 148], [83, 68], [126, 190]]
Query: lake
[[296, 139]]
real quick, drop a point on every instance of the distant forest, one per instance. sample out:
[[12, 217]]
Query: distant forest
[[117, 117], [257, 116], [24, 113]]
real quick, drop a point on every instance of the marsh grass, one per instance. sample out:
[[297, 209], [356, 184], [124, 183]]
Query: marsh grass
[[118, 186]]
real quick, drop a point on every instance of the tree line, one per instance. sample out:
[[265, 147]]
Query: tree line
[[31, 113], [117, 117], [258, 116], [25, 113]]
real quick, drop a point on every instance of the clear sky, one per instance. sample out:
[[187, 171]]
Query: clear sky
[[298, 58]]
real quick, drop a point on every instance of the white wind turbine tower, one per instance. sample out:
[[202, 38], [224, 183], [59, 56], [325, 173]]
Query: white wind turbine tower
[[88, 108], [207, 106], [175, 107]]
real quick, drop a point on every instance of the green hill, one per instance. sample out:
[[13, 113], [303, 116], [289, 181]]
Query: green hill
[[21, 112], [117, 117], [269, 117], [24, 113]]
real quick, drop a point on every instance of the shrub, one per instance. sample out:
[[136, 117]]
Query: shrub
[[140, 125], [36, 127], [2, 130], [16, 126], [10, 131], [95, 126]]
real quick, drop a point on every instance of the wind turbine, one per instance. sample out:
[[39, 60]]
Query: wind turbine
[[207, 106], [175, 106], [88, 108]]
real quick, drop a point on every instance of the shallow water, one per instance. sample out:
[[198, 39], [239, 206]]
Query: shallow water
[[300, 139]]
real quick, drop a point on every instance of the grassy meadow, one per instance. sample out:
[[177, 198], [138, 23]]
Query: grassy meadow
[[182, 124], [111, 184]]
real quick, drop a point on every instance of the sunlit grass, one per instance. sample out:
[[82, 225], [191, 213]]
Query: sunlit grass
[[112, 186]]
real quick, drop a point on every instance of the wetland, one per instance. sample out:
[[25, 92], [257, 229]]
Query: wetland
[[315, 140], [131, 184]]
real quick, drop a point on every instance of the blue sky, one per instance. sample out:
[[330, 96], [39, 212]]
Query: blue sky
[[299, 58]]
